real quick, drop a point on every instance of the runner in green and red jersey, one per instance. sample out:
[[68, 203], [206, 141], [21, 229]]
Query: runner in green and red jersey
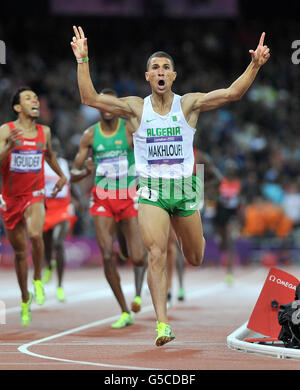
[[113, 200]]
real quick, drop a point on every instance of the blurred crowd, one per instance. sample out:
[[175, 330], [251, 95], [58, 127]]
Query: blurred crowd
[[259, 132]]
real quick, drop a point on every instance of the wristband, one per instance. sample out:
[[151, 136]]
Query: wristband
[[82, 60]]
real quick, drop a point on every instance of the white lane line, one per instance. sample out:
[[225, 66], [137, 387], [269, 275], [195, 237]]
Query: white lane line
[[24, 348], [198, 293], [4, 344]]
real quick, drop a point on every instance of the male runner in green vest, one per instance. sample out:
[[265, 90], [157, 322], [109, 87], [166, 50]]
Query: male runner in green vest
[[113, 200], [163, 126]]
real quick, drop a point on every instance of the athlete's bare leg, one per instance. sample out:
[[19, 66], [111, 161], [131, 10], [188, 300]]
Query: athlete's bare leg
[[34, 217], [48, 245], [227, 246], [171, 258], [190, 236], [174, 259], [122, 242], [105, 228], [154, 223], [180, 264], [18, 240], [136, 249]]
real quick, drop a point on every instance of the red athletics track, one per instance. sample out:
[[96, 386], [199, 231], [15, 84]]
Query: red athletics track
[[76, 335]]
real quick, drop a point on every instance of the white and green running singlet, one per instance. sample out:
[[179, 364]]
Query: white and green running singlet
[[164, 158]]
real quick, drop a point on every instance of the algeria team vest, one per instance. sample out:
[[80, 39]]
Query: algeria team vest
[[163, 144], [113, 158], [23, 169]]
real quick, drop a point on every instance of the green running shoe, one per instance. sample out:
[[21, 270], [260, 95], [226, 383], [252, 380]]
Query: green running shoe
[[164, 334], [136, 304], [26, 312], [48, 272], [125, 320], [39, 294], [60, 294]]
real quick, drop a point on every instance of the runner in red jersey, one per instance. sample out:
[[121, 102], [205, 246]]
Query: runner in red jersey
[[24, 145]]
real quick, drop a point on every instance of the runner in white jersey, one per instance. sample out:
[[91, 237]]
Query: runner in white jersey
[[154, 119], [164, 143]]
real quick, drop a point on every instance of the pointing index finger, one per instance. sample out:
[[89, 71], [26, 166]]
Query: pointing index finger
[[262, 38]]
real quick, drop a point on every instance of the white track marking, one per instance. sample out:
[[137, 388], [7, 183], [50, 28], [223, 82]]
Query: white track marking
[[196, 294], [24, 348]]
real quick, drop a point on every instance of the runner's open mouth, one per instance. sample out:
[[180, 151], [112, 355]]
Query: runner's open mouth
[[161, 83]]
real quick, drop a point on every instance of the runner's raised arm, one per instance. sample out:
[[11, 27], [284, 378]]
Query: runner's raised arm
[[89, 96]]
